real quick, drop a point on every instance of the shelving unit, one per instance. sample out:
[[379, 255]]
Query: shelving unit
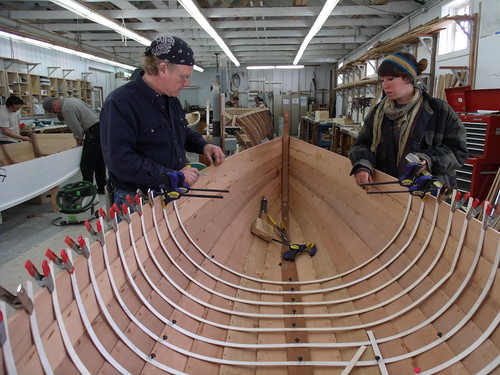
[[34, 88]]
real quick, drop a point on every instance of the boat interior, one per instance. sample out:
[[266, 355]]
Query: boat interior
[[397, 284]]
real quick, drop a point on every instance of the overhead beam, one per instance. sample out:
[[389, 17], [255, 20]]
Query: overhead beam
[[402, 7]]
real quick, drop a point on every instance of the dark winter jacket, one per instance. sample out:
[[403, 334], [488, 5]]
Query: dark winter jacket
[[144, 135], [437, 136]]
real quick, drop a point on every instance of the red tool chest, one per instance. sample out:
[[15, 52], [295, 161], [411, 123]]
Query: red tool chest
[[483, 137]]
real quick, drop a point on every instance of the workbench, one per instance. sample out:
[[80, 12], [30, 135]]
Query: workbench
[[343, 137], [316, 132]]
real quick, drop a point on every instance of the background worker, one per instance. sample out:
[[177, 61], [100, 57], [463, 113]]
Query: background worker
[[144, 130], [83, 122], [259, 103], [233, 103], [10, 115], [408, 120]]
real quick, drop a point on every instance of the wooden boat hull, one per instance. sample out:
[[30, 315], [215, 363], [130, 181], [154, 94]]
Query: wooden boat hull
[[398, 285]]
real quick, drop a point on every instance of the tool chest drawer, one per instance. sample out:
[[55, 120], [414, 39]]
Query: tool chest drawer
[[483, 135]]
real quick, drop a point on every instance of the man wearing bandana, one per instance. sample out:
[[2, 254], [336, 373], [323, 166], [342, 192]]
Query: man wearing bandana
[[408, 120], [144, 132]]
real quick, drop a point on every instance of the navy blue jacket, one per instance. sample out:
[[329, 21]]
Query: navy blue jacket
[[144, 135]]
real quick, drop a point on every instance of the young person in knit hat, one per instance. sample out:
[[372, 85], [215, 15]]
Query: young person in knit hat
[[144, 131], [408, 120]]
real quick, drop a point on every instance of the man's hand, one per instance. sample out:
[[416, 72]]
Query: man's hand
[[363, 177], [211, 150], [26, 139], [190, 175]]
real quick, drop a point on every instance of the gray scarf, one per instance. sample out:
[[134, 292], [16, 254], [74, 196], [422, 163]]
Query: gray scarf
[[403, 117]]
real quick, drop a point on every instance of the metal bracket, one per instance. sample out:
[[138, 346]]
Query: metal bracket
[[469, 34], [426, 42], [66, 72], [51, 69]]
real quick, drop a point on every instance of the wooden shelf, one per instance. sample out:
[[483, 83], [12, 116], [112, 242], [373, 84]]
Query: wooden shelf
[[34, 88], [362, 82]]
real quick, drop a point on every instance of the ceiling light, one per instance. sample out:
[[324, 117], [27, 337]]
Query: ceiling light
[[322, 17], [193, 10], [255, 67], [70, 51], [260, 67], [289, 66], [92, 15]]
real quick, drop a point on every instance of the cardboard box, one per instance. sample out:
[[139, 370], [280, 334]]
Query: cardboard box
[[321, 115]]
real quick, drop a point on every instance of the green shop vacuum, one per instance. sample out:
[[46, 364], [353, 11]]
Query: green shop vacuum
[[77, 202]]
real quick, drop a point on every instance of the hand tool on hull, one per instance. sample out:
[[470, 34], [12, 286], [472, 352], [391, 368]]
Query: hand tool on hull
[[281, 228], [261, 228], [296, 249], [172, 187], [418, 184]]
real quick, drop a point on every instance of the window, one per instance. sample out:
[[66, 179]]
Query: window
[[454, 37], [370, 68], [97, 98]]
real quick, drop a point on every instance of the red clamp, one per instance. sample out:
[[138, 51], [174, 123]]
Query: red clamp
[[62, 262], [43, 280], [96, 235], [113, 218], [459, 201], [80, 248], [126, 212], [135, 203], [475, 209], [491, 215]]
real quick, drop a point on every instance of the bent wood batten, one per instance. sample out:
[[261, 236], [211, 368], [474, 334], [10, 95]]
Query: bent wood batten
[[397, 283]]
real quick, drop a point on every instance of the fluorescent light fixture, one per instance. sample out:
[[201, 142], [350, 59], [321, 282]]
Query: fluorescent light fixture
[[289, 66], [255, 67], [260, 67], [70, 51], [194, 12], [322, 17], [94, 16]]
